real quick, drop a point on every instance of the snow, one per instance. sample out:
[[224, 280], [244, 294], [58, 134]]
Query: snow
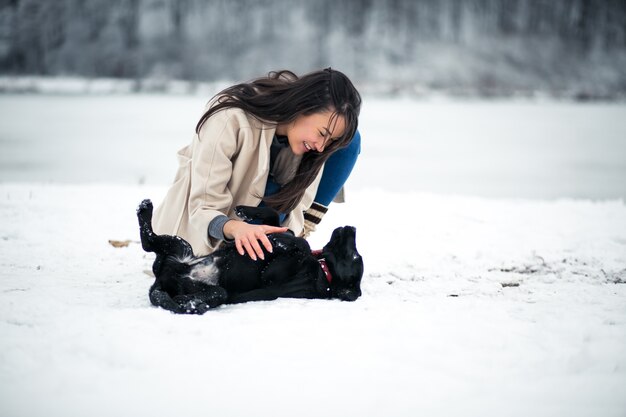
[[488, 301]]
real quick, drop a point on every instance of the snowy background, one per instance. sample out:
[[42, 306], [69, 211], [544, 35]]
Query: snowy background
[[567, 48], [488, 201], [494, 240]]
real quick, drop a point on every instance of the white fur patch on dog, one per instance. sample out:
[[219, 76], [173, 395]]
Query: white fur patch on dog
[[205, 272]]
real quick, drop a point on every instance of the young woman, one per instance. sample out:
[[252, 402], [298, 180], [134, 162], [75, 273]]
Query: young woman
[[264, 142]]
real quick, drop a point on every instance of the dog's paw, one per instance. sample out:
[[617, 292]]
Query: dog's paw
[[145, 207], [242, 213], [264, 215], [192, 305]]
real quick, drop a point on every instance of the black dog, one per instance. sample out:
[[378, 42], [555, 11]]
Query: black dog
[[189, 284]]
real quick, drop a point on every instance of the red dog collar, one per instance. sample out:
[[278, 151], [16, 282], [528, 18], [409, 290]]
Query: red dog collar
[[323, 264]]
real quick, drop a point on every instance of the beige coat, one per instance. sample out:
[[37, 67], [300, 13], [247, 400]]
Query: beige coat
[[226, 165]]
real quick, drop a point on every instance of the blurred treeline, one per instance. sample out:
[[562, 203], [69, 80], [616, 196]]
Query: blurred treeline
[[455, 44]]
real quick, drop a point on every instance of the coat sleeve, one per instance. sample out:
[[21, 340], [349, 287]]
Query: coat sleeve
[[211, 170]]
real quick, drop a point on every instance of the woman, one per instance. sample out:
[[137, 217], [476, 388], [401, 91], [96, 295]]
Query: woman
[[263, 142]]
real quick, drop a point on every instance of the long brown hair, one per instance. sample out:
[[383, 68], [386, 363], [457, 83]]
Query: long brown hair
[[282, 97]]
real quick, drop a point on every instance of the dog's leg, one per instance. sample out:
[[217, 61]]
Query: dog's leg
[[197, 303], [265, 215], [160, 298], [160, 244], [200, 302], [147, 235]]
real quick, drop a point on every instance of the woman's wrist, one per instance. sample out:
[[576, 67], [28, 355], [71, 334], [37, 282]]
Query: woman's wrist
[[216, 227], [229, 228]]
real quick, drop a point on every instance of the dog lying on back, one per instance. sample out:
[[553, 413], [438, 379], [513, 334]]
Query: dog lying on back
[[189, 284]]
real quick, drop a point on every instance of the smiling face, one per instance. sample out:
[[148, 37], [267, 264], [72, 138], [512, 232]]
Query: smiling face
[[312, 133]]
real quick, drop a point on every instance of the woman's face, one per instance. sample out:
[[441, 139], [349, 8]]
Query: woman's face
[[311, 133]]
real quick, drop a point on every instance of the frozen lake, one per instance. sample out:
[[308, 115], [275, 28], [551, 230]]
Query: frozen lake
[[508, 149], [478, 305]]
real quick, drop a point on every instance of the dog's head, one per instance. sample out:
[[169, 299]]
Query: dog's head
[[345, 264]]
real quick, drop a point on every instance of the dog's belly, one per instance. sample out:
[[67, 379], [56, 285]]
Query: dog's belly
[[241, 275], [205, 271]]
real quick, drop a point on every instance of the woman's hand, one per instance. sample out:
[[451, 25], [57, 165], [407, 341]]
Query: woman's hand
[[247, 237]]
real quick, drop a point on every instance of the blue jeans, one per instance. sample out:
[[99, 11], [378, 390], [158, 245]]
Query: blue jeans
[[337, 170]]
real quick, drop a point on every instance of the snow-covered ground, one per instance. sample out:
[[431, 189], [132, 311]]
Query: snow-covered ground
[[488, 289]]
